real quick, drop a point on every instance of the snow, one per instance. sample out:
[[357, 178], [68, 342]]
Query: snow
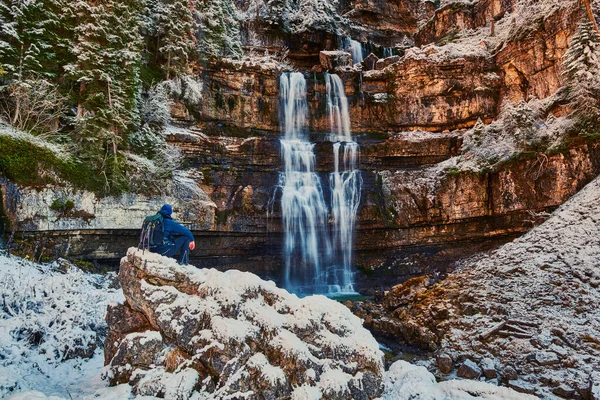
[[296, 16], [334, 381], [306, 392], [270, 373], [222, 292], [51, 316], [57, 150], [549, 277], [405, 381], [36, 295], [519, 127]]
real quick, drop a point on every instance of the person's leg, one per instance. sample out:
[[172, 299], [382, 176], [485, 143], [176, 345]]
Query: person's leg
[[182, 246], [167, 250]]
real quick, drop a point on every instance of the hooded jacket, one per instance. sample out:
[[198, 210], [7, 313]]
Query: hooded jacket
[[173, 228]]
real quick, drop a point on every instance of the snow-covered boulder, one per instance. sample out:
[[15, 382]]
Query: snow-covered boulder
[[406, 381], [231, 333]]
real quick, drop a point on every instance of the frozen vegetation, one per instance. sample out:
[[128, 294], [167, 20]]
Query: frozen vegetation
[[52, 327], [522, 127]]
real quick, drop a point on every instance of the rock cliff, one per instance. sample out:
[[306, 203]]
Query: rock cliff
[[409, 112], [524, 316]]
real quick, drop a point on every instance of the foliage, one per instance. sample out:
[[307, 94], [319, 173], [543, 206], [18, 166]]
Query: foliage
[[184, 88], [582, 70], [172, 26], [27, 39], [62, 205], [520, 130], [91, 75], [219, 33], [33, 105], [107, 50]]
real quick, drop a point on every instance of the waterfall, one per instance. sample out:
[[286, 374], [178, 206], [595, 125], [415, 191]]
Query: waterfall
[[345, 183], [304, 212], [354, 47], [315, 260]]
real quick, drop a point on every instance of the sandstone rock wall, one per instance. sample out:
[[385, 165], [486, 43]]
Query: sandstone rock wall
[[519, 316], [531, 64], [411, 94]]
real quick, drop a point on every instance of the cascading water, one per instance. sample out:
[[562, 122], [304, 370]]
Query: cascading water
[[355, 48], [316, 262], [304, 212], [345, 183]]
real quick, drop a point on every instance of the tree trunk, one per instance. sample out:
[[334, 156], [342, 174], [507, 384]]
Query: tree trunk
[[115, 131], [79, 105], [19, 80], [590, 13], [169, 66]]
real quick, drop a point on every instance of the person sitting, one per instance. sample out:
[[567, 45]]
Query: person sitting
[[177, 238]]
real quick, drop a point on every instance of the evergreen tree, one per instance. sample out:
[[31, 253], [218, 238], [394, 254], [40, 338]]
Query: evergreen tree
[[29, 38], [108, 55], [582, 70], [219, 33], [25, 39], [174, 27]]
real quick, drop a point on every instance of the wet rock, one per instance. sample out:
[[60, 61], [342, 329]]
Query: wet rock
[[469, 370], [445, 363], [331, 60], [564, 391], [521, 386], [509, 374], [489, 368]]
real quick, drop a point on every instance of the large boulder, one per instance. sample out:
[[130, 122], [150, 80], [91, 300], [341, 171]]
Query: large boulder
[[231, 332]]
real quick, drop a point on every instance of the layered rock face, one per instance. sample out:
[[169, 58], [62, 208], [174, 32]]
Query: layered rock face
[[408, 113], [183, 330], [524, 316], [418, 92]]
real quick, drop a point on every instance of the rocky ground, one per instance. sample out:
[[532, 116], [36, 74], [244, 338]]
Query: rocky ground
[[525, 316], [182, 333]]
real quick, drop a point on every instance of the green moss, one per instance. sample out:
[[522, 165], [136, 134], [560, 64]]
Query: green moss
[[29, 164], [4, 221], [450, 37], [62, 205], [453, 171], [88, 266], [377, 135], [222, 216]]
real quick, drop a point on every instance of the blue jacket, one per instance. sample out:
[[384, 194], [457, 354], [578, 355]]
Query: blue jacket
[[173, 229]]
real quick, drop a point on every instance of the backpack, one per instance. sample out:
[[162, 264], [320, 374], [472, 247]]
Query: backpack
[[153, 232]]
